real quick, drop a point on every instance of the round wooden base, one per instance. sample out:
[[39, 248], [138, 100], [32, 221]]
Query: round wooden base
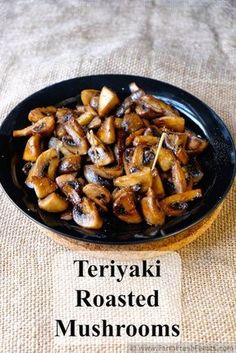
[[169, 244]]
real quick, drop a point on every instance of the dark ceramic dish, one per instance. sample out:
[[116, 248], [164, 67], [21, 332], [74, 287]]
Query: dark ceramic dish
[[218, 161]]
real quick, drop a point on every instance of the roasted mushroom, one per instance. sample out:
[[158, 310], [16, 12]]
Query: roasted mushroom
[[99, 153], [178, 177], [151, 209], [39, 113], [77, 134], [99, 194], [124, 206], [173, 123], [43, 127], [87, 94], [142, 178], [108, 100], [86, 215], [53, 203], [43, 186], [106, 132], [33, 148], [132, 122], [170, 204], [70, 164]]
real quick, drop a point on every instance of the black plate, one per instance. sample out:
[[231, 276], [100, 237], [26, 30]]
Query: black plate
[[218, 161]]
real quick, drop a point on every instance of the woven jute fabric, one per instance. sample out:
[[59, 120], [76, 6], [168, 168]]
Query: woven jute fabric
[[190, 44]]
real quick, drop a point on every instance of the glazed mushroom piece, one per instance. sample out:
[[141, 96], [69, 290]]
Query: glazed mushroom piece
[[134, 160]]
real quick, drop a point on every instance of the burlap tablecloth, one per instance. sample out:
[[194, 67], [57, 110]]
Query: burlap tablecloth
[[188, 43]]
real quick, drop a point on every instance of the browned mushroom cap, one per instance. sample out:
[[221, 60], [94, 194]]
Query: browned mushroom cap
[[59, 146], [107, 101], [132, 122], [158, 106], [152, 211], [145, 112], [33, 148], [53, 203], [142, 178], [195, 171], [86, 215], [39, 113], [99, 153], [124, 206], [61, 180], [65, 114], [99, 194], [43, 186], [170, 204], [71, 186], [87, 94], [70, 164], [91, 175], [195, 144], [173, 123], [77, 134], [43, 127], [45, 165], [178, 177], [106, 132], [129, 101]]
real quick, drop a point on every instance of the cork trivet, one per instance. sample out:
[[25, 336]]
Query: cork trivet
[[169, 244]]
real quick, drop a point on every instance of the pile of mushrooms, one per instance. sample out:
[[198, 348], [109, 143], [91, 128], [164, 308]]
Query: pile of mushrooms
[[135, 159]]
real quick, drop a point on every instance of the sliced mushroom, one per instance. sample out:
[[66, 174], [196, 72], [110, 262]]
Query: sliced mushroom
[[108, 100], [120, 146], [43, 127], [39, 113], [99, 153], [142, 178], [127, 159], [53, 203], [152, 211], [157, 185], [77, 134], [145, 112], [132, 122], [99, 194], [64, 178], [124, 206], [86, 214], [132, 136], [43, 186], [152, 103], [118, 123], [45, 165], [195, 171], [70, 164], [87, 94], [92, 176], [85, 118], [95, 123], [146, 140], [65, 114], [73, 191], [182, 155], [67, 216], [129, 101], [178, 177], [33, 148], [173, 123], [195, 144], [106, 132], [59, 146], [60, 131], [169, 203], [175, 141], [165, 159]]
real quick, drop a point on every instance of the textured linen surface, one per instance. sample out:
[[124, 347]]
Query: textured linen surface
[[188, 43]]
